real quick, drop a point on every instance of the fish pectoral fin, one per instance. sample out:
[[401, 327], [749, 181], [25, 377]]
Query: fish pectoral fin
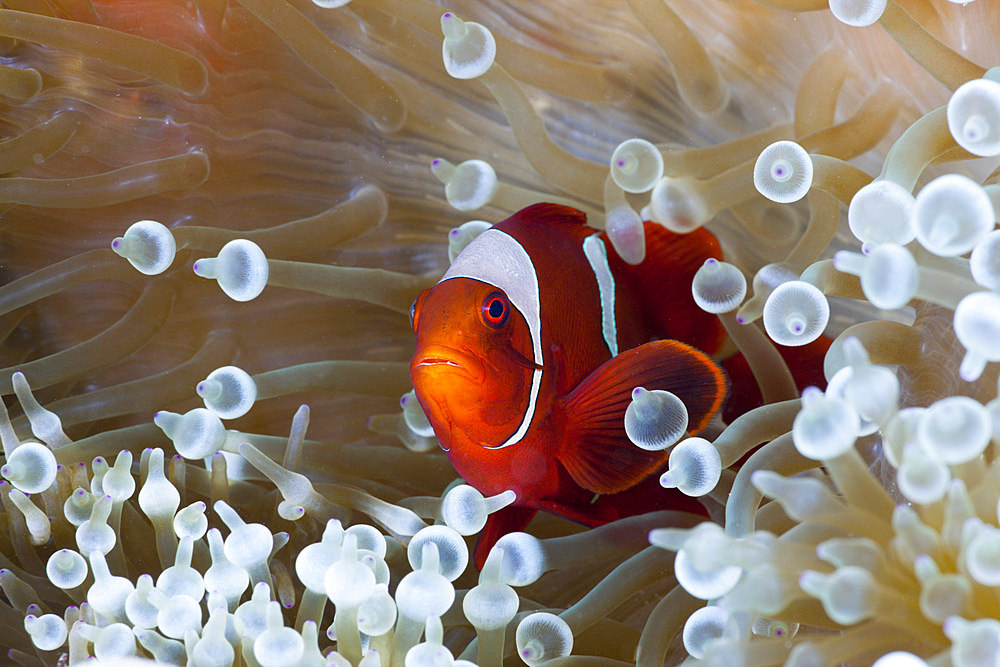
[[595, 450]]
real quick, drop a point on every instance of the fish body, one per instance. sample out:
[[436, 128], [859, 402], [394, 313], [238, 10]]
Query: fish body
[[528, 350]]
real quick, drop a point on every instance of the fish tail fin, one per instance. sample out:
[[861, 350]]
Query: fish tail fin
[[805, 363]]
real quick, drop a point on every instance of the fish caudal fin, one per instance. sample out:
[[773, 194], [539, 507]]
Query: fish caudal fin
[[805, 363], [596, 452]]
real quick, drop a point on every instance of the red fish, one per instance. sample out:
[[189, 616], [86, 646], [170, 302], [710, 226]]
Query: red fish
[[528, 350]]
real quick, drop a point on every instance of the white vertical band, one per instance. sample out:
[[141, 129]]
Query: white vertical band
[[597, 255], [496, 258]]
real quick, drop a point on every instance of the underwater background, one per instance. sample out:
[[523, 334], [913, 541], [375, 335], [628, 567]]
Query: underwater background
[[311, 131]]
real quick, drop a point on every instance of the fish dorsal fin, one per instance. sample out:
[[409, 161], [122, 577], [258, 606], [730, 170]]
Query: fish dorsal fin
[[595, 451], [662, 284], [541, 213]]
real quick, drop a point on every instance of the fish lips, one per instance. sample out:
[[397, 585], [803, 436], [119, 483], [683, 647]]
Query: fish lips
[[448, 359]]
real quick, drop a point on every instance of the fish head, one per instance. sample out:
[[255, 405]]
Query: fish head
[[474, 363]]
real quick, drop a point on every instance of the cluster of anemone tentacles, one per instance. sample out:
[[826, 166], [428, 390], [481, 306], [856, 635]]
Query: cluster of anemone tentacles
[[291, 152]]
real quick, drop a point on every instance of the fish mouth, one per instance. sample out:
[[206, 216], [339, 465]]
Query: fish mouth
[[440, 357], [436, 361]]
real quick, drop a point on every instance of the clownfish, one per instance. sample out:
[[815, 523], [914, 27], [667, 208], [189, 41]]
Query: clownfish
[[529, 348]]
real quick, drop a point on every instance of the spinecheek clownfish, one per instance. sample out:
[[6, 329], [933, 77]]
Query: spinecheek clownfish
[[528, 350]]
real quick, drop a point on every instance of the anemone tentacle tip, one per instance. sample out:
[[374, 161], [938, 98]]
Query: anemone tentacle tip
[[468, 49], [858, 13], [783, 172], [974, 116]]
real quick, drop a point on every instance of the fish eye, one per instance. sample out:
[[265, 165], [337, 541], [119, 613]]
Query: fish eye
[[413, 312], [496, 310]]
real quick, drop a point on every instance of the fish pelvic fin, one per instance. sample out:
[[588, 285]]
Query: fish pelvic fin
[[510, 519]]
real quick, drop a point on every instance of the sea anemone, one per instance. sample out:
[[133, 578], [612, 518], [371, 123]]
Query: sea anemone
[[222, 210]]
